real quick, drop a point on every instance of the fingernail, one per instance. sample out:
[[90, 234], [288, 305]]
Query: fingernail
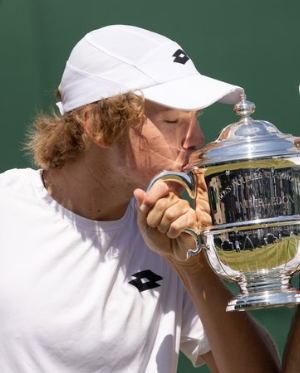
[[143, 208]]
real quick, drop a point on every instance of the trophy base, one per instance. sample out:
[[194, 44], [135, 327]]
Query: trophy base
[[266, 299]]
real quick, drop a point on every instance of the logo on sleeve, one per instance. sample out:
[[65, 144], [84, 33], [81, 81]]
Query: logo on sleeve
[[145, 280], [180, 57]]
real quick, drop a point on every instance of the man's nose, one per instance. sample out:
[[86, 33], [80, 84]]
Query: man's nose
[[194, 138]]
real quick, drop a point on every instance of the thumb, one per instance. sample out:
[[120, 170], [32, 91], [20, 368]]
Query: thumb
[[139, 195]]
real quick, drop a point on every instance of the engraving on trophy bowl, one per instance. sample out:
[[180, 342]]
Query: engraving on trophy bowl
[[251, 190]]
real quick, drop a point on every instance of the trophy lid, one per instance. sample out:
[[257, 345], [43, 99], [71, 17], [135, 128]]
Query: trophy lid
[[245, 140]]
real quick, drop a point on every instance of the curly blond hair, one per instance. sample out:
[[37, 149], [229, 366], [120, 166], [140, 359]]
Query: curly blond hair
[[54, 140]]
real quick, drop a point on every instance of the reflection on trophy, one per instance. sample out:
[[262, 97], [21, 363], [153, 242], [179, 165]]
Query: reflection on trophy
[[251, 177]]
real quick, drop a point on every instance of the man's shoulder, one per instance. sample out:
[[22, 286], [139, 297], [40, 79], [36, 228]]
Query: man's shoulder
[[17, 179]]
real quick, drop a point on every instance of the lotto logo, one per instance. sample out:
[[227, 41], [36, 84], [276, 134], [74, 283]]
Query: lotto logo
[[145, 280], [180, 57]]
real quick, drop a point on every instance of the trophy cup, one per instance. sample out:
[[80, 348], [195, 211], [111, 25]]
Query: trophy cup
[[251, 177]]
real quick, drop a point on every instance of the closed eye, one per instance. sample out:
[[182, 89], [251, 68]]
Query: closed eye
[[172, 121]]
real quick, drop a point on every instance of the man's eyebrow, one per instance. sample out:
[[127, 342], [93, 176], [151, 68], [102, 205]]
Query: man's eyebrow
[[166, 109]]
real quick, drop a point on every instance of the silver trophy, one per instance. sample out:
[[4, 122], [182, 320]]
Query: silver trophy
[[251, 178]]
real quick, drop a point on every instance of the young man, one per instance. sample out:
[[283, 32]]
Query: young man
[[93, 279]]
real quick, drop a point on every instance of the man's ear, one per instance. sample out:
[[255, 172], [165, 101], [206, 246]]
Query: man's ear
[[97, 138]]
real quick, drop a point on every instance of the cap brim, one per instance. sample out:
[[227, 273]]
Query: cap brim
[[193, 92]]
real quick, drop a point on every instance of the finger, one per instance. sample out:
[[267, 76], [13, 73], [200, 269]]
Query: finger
[[203, 214], [203, 209], [171, 214], [161, 207], [204, 219], [159, 190], [141, 216], [177, 227], [203, 205], [201, 183], [139, 195]]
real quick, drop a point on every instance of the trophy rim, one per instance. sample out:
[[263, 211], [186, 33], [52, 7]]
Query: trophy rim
[[264, 299]]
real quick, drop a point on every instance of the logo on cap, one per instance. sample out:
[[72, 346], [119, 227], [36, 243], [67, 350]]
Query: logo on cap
[[180, 56]]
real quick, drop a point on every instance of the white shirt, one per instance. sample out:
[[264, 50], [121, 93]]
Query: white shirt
[[77, 296]]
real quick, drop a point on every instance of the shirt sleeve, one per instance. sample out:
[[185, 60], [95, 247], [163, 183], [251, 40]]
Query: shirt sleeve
[[194, 342]]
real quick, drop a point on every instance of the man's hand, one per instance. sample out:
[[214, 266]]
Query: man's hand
[[162, 218]]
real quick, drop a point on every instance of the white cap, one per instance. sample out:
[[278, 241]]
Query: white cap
[[118, 59]]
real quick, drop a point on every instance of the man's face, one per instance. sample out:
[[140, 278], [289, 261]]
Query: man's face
[[167, 139]]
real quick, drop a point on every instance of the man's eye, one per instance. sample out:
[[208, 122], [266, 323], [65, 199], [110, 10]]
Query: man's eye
[[172, 121]]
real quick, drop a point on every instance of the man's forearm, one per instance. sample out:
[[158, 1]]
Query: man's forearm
[[291, 356], [238, 343]]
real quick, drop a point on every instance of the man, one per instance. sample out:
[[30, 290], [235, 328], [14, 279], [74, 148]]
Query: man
[[89, 275]]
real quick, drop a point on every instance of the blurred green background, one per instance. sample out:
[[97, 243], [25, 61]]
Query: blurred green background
[[254, 44]]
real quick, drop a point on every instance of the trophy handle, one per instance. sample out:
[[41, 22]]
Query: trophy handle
[[199, 240], [188, 181]]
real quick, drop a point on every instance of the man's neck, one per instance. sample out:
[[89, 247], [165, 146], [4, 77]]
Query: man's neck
[[92, 196]]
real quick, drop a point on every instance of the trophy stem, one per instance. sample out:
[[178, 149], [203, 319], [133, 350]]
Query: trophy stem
[[271, 289]]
